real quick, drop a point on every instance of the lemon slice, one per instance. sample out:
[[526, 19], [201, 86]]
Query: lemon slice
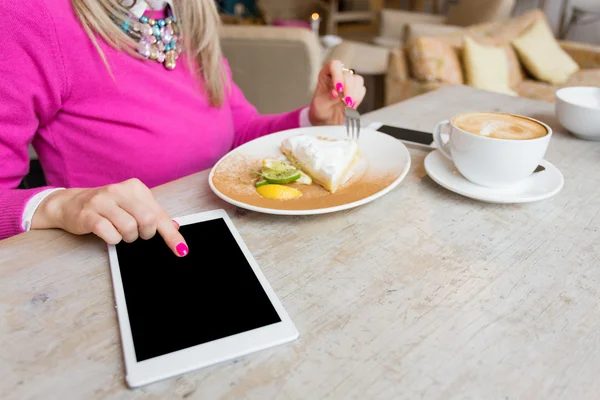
[[277, 165], [278, 192], [304, 179]]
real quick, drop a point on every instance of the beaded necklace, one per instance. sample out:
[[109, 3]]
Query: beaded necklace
[[157, 39]]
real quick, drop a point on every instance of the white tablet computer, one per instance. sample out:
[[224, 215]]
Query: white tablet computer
[[180, 314]]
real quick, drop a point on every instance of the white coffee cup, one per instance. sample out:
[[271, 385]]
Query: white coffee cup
[[490, 161]]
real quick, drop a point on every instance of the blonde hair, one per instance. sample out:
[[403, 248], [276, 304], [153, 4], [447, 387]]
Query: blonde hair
[[199, 21]]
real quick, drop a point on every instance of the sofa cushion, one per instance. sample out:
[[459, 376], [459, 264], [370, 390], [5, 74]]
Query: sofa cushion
[[516, 74], [542, 56], [432, 60], [456, 39], [486, 67]]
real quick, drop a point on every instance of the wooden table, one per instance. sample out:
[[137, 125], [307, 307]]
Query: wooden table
[[422, 294]]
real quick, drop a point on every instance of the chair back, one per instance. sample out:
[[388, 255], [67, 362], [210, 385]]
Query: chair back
[[276, 67]]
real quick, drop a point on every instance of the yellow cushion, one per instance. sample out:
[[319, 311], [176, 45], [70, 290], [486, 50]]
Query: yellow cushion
[[432, 60], [542, 56], [486, 67]]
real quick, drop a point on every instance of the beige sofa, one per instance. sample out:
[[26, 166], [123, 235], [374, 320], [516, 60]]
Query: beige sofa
[[401, 83], [277, 67], [396, 26]]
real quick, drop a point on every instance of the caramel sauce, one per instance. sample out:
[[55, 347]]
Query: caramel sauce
[[234, 178]]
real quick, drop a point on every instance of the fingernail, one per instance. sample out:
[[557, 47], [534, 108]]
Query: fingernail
[[349, 101], [182, 249], [353, 104], [339, 87], [176, 224], [333, 94]]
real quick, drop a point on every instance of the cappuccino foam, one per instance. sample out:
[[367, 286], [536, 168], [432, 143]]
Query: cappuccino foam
[[500, 126]]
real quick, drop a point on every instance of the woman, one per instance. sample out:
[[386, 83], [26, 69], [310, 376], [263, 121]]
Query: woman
[[118, 97]]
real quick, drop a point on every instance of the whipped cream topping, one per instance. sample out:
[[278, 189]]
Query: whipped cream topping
[[330, 159]]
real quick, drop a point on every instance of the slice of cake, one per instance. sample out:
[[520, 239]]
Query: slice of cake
[[328, 162]]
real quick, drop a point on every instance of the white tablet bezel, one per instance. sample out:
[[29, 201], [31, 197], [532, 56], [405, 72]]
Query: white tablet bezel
[[182, 361]]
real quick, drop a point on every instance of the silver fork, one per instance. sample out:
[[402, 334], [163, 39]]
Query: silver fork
[[352, 116], [352, 123]]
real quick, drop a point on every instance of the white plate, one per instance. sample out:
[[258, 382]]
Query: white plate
[[381, 154], [539, 186]]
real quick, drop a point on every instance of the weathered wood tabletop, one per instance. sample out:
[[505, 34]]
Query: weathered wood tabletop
[[422, 294]]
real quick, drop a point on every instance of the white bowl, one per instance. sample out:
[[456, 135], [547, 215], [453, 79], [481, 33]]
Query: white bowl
[[578, 110]]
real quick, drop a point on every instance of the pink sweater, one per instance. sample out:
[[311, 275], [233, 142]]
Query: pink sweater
[[88, 130]]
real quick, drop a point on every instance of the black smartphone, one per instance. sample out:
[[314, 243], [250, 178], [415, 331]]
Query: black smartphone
[[411, 136]]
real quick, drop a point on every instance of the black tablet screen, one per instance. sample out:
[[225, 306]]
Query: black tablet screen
[[409, 135], [175, 303]]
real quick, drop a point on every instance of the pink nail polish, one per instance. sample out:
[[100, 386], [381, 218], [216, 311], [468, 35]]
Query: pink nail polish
[[339, 87], [176, 224], [349, 101], [333, 94], [182, 249], [353, 104]]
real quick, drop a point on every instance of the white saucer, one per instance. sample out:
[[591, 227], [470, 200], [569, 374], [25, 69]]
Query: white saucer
[[539, 186]]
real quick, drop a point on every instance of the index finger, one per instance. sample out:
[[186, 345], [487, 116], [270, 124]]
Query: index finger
[[337, 75], [167, 229]]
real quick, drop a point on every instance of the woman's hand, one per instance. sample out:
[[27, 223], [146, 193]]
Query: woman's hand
[[123, 211], [336, 89]]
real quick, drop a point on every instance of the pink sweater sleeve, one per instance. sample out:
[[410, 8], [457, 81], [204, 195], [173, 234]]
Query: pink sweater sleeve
[[32, 83], [249, 124]]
